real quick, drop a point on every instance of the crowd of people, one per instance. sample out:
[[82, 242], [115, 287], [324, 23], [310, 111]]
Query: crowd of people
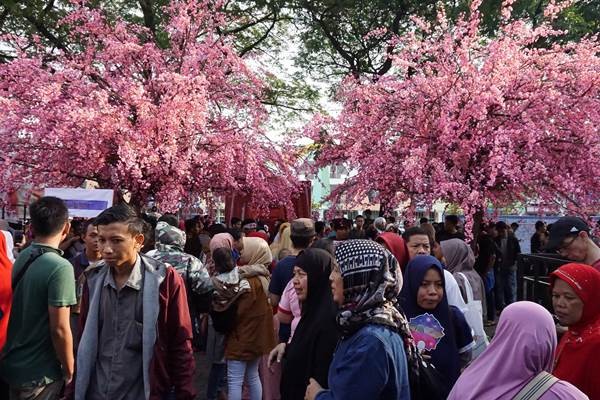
[[115, 307]]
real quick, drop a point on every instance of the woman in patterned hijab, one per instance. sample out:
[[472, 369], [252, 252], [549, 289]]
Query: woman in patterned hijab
[[372, 281], [370, 361]]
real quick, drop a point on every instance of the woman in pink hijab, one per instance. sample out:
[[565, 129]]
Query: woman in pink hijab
[[522, 349]]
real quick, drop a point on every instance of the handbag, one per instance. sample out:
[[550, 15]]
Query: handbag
[[425, 381], [474, 317]]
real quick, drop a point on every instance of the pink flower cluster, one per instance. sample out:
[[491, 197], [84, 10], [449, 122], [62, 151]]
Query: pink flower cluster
[[173, 122], [473, 120]]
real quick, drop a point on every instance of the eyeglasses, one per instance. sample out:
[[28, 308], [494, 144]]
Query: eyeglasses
[[565, 245]]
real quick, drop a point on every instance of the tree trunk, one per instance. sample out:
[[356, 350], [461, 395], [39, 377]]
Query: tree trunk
[[477, 225]]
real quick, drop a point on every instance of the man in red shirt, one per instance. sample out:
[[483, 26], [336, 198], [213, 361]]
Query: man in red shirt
[[570, 237]]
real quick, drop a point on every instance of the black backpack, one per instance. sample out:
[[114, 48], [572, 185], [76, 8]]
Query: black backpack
[[224, 321], [198, 303]]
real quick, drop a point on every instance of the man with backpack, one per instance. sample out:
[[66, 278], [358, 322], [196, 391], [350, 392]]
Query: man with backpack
[[38, 356], [170, 242], [135, 328]]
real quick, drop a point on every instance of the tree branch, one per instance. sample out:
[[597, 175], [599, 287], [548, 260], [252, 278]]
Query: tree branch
[[45, 32], [249, 25], [275, 104], [259, 40], [354, 68], [149, 16]]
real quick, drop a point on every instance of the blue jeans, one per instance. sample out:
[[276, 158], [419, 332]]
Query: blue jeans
[[236, 371], [509, 286]]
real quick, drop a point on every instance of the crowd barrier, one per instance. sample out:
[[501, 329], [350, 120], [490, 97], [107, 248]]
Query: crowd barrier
[[532, 277]]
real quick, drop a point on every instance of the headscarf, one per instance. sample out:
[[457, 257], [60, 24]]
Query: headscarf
[[396, 246], [523, 346], [9, 244], [218, 241], [259, 234], [460, 259], [576, 357], [256, 251], [452, 292], [5, 290], [459, 256], [283, 239], [221, 240], [372, 281], [436, 325], [429, 229], [311, 349], [254, 260]]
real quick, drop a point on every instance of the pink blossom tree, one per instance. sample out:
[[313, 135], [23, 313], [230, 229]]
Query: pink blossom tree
[[119, 107], [473, 120]]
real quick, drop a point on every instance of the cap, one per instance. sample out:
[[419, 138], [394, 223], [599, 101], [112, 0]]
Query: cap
[[563, 228], [303, 227]]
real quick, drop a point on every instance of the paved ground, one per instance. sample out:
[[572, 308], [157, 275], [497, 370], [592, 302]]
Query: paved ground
[[201, 378]]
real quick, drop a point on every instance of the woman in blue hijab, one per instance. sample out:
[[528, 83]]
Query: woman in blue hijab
[[439, 330]]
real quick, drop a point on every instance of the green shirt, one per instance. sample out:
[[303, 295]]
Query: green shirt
[[29, 354]]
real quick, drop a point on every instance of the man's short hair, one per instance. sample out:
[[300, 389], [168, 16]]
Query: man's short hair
[[325, 244], [319, 227], [87, 223], [190, 223], [429, 230], [424, 220], [301, 242], [371, 232], [78, 227], [215, 229], [235, 220], [358, 216], [48, 216], [223, 259], [170, 219], [501, 225], [341, 223], [236, 234], [151, 220], [124, 214], [380, 223], [412, 231], [539, 225], [452, 218]]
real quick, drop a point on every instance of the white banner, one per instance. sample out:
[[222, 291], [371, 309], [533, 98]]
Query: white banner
[[83, 203]]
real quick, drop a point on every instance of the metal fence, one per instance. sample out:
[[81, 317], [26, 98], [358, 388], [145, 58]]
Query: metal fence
[[532, 277]]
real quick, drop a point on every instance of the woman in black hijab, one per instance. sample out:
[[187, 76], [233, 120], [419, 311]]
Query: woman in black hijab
[[311, 349]]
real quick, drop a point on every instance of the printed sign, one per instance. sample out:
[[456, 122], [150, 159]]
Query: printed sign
[[83, 203]]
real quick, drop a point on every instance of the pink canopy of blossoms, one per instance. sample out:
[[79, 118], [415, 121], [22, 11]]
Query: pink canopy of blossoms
[[114, 107], [473, 120]]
